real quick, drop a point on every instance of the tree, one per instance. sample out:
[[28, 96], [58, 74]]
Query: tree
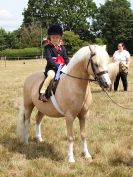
[[12, 40], [8, 39], [31, 35], [72, 42], [75, 16], [100, 41], [2, 39], [72, 15], [114, 22], [41, 11]]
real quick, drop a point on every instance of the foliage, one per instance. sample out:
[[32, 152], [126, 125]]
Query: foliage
[[100, 41], [72, 42], [73, 15], [8, 39], [31, 35], [114, 21], [26, 52], [2, 38], [12, 40], [109, 24]]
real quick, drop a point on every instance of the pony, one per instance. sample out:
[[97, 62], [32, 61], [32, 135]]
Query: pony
[[113, 70], [89, 60]]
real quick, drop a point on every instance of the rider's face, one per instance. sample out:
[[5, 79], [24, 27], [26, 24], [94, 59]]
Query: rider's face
[[55, 39]]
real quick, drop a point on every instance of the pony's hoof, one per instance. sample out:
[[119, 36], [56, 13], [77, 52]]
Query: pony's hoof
[[20, 140], [26, 143], [89, 159], [71, 160], [39, 139]]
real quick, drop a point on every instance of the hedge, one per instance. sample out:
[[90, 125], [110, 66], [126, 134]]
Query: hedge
[[26, 52]]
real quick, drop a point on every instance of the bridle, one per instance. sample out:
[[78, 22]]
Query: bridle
[[97, 75]]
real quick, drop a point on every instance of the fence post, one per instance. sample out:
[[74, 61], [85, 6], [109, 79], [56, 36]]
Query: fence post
[[5, 61]]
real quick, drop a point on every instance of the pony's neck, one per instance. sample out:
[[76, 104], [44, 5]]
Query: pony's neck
[[78, 70], [116, 68]]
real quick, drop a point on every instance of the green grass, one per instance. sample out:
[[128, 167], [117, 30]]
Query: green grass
[[109, 133]]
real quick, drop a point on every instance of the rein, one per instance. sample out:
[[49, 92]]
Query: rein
[[113, 101], [91, 80], [116, 102]]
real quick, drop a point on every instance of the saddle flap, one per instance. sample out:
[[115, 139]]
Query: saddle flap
[[52, 87]]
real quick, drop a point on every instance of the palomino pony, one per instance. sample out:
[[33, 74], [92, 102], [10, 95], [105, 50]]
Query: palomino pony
[[73, 95], [113, 70]]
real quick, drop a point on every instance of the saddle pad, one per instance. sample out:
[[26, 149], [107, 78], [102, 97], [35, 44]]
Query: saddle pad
[[56, 105]]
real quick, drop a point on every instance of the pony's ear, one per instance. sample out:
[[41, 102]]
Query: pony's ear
[[104, 46], [92, 49]]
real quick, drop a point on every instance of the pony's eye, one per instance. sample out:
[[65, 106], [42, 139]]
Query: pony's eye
[[96, 65]]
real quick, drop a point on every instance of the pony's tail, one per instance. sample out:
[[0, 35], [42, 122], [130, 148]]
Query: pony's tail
[[20, 123]]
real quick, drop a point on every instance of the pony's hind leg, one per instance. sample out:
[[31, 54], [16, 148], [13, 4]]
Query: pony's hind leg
[[85, 151], [27, 114], [23, 122], [39, 117]]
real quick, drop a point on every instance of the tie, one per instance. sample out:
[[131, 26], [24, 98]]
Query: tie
[[57, 47]]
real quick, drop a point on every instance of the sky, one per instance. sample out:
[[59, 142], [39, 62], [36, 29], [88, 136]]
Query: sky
[[11, 13]]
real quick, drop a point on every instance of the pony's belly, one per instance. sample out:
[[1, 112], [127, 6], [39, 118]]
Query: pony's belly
[[47, 108]]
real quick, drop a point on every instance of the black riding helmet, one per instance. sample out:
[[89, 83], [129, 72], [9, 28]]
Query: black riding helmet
[[55, 29]]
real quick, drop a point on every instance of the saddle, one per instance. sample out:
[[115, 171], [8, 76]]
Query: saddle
[[54, 83], [52, 87]]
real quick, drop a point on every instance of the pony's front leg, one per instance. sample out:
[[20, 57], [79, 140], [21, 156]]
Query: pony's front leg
[[69, 124], [38, 135], [85, 150]]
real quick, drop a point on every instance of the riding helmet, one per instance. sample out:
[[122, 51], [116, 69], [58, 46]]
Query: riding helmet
[[55, 29]]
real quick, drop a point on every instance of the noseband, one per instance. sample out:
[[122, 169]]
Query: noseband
[[92, 66]]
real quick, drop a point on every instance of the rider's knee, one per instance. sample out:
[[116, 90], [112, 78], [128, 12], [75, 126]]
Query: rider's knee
[[51, 74]]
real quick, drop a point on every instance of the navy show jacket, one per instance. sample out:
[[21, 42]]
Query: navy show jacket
[[51, 52]]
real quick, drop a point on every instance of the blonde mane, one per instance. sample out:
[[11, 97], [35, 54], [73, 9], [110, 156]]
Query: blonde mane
[[78, 57], [84, 54]]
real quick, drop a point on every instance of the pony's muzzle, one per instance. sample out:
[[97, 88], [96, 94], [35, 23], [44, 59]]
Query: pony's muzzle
[[104, 81]]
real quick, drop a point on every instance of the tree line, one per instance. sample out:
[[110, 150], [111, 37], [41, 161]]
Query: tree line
[[83, 22]]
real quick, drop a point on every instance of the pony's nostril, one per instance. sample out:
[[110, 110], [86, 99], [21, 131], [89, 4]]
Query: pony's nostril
[[106, 85]]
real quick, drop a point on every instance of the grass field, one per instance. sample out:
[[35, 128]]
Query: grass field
[[109, 133]]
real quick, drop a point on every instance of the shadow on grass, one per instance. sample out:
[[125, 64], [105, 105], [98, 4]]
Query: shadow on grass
[[97, 91], [119, 161], [33, 150]]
